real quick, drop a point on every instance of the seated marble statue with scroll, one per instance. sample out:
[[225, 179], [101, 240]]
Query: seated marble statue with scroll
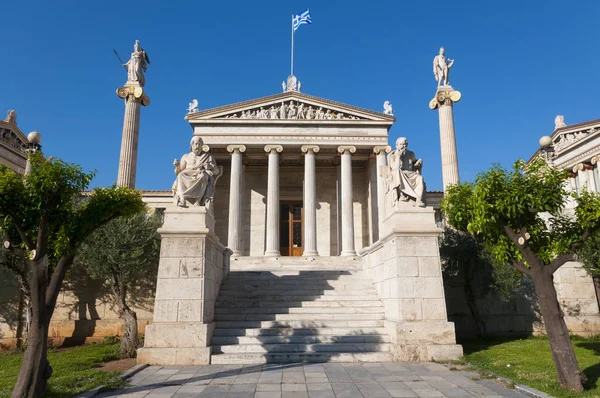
[[403, 177], [197, 173]]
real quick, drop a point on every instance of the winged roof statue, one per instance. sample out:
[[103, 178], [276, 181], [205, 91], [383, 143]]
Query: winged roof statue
[[387, 108], [193, 106]]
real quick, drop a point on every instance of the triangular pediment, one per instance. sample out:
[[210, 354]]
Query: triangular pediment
[[290, 107]]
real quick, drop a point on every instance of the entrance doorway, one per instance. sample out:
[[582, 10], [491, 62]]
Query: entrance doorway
[[290, 228]]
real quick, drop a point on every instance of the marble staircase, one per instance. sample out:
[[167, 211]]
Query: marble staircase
[[298, 316]]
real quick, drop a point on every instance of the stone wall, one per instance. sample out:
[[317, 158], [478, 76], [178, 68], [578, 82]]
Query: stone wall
[[520, 315]]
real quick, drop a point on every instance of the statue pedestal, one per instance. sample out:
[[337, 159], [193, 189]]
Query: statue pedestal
[[192, 266], [406, 271]]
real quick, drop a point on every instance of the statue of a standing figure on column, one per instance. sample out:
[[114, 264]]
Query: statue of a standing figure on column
[[441, 68], [403, 175], [137, 65], [197, 173]]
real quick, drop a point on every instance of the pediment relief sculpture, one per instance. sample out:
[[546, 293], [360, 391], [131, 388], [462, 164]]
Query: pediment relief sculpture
[[291, 110], [11, 139], [567, 139]]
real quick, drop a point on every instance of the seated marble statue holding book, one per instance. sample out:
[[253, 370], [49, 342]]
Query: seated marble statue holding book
[[197, 173], [402, 176]]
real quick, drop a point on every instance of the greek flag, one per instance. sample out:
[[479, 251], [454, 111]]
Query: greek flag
[[301, 19]]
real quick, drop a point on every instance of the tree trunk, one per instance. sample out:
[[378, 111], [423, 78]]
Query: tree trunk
[[479, 324], [596, 280], [471, 302], [563, 353], [129, 341], [36, 370], [20, 323]]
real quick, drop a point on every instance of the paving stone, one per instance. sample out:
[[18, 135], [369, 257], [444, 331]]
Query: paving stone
[[337, 380], [372, 390]]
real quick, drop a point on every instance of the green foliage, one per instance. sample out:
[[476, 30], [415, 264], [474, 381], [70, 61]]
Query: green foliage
[[532, 202], [49, 198], [589, 255], [124, 251]]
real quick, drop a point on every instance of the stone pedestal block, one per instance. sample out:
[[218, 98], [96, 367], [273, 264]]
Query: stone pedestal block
[[406, 270], [193, 263]]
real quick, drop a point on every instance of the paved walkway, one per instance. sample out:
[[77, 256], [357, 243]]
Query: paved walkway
[[311, 380]]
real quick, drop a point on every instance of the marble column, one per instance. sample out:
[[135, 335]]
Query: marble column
[[310, 200], [272, 243], [347, 202], [380, 153], [134, 97], [444, 101], [234, 235]]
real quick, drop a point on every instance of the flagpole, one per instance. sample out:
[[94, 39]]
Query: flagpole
[[292, 68]]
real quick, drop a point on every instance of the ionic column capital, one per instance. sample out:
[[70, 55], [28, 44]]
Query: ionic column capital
[[343, 148], [133, 93], [595, 159], [273, 148], [445, 97], [382, 148], [314, 148], [578, 167], [205, 148], [238, 148]]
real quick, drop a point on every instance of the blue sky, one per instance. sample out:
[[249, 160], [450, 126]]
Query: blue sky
[[518, 64]]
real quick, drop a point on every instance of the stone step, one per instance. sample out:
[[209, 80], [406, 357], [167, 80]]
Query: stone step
[[299, 348], [300, 317], [295, 296], [297, 282], [287, 332], [298, 304], [311, 357], [241, 291], [295, 339], [301, 310], [301, 324]]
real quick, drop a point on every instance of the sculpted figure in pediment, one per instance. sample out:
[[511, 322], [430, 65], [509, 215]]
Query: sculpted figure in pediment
[[310, 113], [291, 111], [301, 111], [272, 112], [196, 173], [283, 111], [319, 114]]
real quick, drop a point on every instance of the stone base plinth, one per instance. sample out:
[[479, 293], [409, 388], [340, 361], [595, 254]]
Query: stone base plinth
[[174, 356], [192, 266], [423, 341], [405, 267]]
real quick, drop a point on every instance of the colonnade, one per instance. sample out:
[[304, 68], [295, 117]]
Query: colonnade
[[309, 198]]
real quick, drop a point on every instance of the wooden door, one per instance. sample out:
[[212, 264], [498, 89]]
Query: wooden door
[[290, 228]]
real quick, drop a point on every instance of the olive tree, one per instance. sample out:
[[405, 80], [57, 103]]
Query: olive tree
[[519, 217], [125, 253], [46, 220]]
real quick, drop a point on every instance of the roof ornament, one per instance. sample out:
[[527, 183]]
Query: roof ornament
[[193, 106], [559, 121], [292, 84], [11, 117], [387, 108]]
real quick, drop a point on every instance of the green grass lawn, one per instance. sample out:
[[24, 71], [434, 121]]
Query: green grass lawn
[[74, 370], [531, 362]]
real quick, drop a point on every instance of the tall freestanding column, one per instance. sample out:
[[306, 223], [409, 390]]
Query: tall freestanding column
[[272, 244], [310, 200], [133, 94], [380, 153], [444, 99], [347, 202], [234, 235]]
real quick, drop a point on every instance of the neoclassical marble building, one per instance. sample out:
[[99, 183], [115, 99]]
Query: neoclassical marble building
[[300, 174]]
